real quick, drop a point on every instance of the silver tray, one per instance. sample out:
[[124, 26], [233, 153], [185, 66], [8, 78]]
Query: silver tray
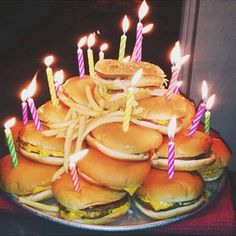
[[134, 219]]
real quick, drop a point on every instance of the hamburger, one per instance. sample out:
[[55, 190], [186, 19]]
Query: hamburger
[[92, 204], [30, 179], [223, 157], [191, 153], [101, 170], [158, 111], [161, 198], [135, 145], [113, 77], [37, 147]]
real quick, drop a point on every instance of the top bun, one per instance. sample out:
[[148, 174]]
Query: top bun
[[112, 69], [25, 177], [89, 194], [74, 89], [186, 146], [185, 186], [48, 114]]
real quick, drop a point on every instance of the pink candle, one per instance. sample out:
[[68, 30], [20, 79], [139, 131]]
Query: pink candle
[[200, 111], [171, 148], [80, 57], [139, 33], [30, 92], [74, 176], [179, 84], [24, 107]]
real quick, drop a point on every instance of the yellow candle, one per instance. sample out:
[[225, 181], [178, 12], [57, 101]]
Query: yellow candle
[[123, 38], [90, 42], [48, 61]]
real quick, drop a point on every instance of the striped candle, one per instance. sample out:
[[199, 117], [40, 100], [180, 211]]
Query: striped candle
[[207, 122], [171, 148], [80, 57], [174, 81], [24, 107], [34, 113], [74, 176], [123, 38], [10, 141], [90, 42], [138, 44]]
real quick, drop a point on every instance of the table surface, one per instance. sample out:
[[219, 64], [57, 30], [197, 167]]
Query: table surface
[[18, 224]]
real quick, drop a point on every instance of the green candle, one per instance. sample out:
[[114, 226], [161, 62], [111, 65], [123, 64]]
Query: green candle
[[10, 141], [123, 38], [207, 122]]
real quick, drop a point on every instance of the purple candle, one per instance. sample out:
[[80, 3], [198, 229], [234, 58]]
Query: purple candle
[[24, 107], [80, 57], [200, 111], [171, 148]]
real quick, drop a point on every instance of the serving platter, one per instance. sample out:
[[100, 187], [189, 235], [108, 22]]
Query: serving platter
[[134, 219]]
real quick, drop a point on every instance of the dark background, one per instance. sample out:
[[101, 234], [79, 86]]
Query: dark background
[[30, 30]]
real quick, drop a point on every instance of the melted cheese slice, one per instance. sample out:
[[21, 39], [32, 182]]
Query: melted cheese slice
[[40, 189], [131, 190], [157, 205]]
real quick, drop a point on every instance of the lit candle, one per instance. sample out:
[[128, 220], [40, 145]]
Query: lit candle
[[146, 29], [176, 89], [90, 43], [30, 92], [48, 61], [171, 148], [58, 79], [209, 105], [24, 107], [80, 57], [123, 38], [130, 100], [72, 166], [139, 33], [200, 110], [176, 61], [10, 141], [103, 48]]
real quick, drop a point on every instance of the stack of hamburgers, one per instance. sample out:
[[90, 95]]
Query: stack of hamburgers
[[119, 166]]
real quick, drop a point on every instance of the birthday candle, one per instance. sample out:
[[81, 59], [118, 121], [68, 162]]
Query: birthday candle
[[103, 47], [130, 100], [24, 107], [207, 122], [80, 57], [90, 43], [123, 38], [139, 33], [74, 176], [30, 92], [176, 89], [171, 148], [200, 110], [10, 141], [48, 61], [58, 79]]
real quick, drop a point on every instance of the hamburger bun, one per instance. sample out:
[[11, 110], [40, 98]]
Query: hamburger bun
[[132, 145], [24, 179], [161, 198], [37, 147], [99, 169], [91, 204], [191, 153], [158, 111], [223, 157]]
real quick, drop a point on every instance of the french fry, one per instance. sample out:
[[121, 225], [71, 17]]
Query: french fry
[[46, 194], [91, 100]]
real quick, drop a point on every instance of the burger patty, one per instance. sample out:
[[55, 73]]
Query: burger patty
[[198, 157], [98, 211], [174, 206]]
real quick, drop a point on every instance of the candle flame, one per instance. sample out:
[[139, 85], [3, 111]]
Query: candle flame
[[204, 90], [175, 54], [136, 77], [147, 28], [125, 24], [82, 41], [32, 87], [78, 156], [210, 102], [126, 59], [143, 10], [11, 122], [98, 32], [91, 40], [24, 95], [48, 60], [104, 47], [59, 77], [172, 128]]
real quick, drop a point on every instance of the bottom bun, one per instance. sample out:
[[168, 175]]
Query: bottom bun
[[211, 175], [183, 165], [159, 215], [55, 161]]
